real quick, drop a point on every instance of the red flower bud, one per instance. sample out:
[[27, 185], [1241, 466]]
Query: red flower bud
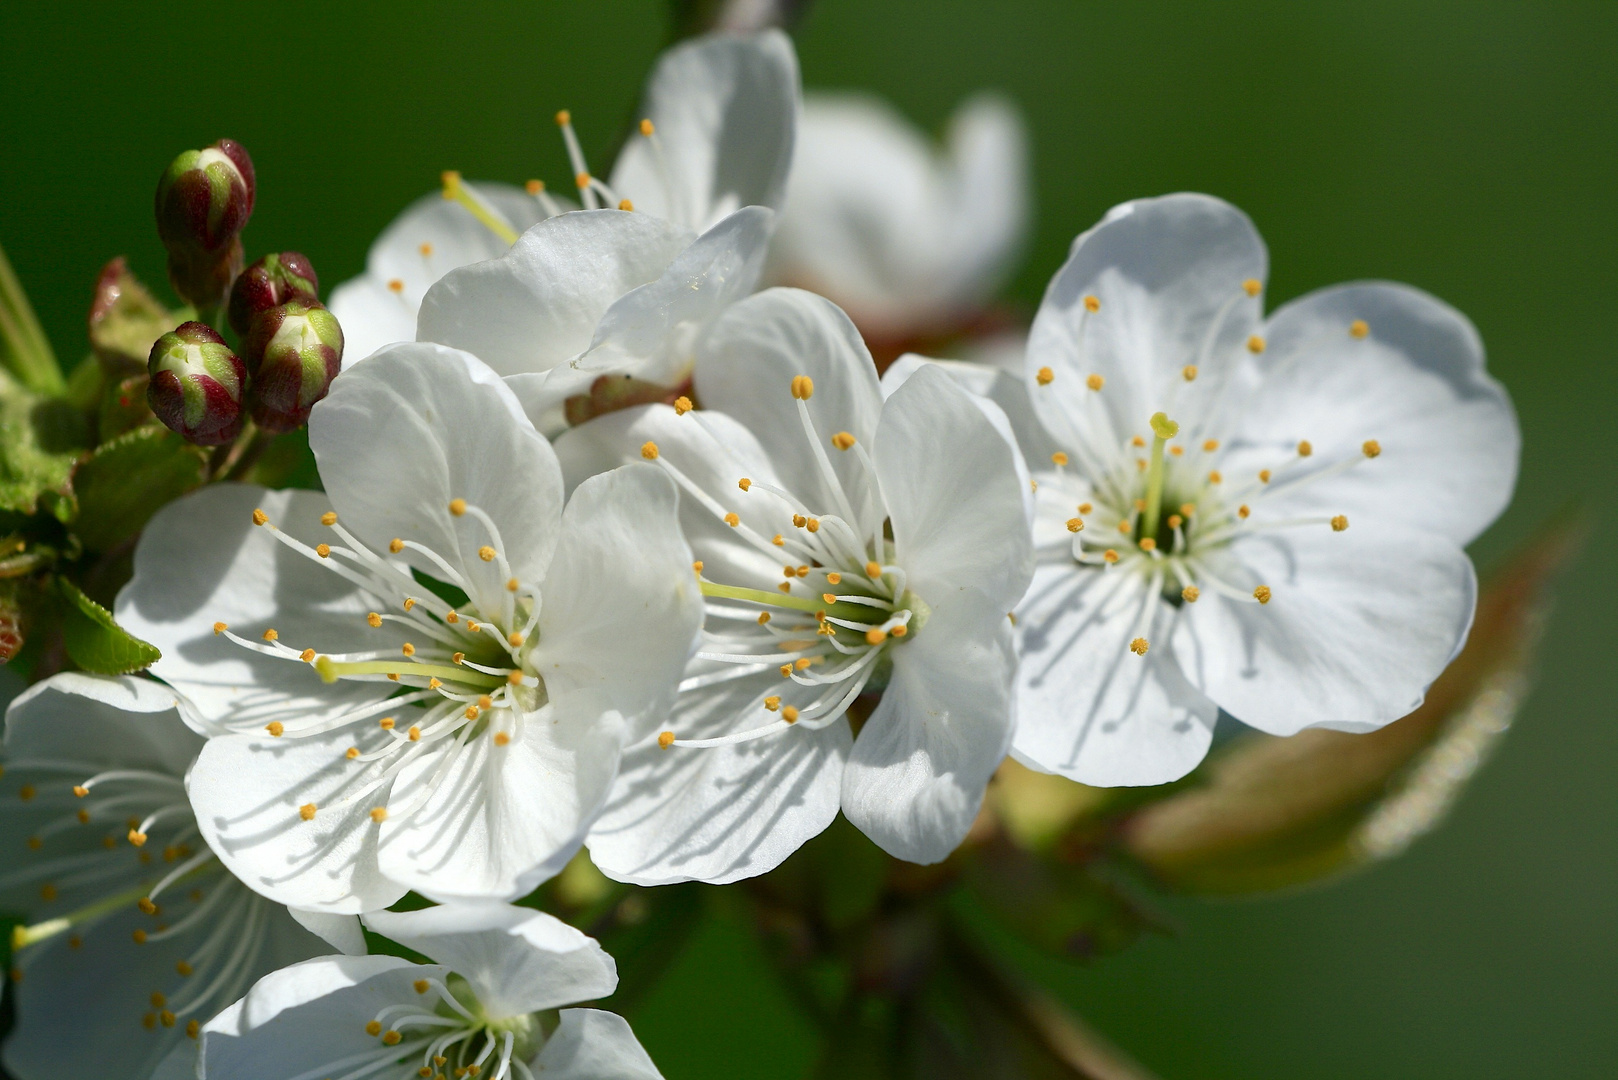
[[294, 351], [272, 281], [204, 198], [196, 384]]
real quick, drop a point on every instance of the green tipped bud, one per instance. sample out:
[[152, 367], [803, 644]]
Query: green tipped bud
[[204, 198], [196, 384], [294, 352], [202, 279], [272, 281]]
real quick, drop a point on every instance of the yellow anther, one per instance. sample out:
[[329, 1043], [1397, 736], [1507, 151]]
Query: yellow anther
[[420, 986], [1242, 511], [323, 550], [220, 628], [386, 723], [513, 585], [1092, 304], [473, 627], [648, 450], [790, 714], [1147, 543], [471, 712], [426, 251], [1252, 286], [786, 670], [833, 578], [192, 1028], [1264, 476], [1210, 445], [329, 518], [414, 734], [646, 128], [582, 180], [1177, 451], [379, 814], [182, 968], [901, 630], [514, 677], [457, 507], [1255, 344], [457, 658], [1359, 328], [373, 1028], [812, 524], [1109, 555], [1371, 448], [139, 937], [351, 753], [408, 649], [763, 617], [1094, 382], [487, 553], [1215, 478], [1339, 523], [875, 636], [260, 517], [396, 285], [307, 811], [789, 571], [275, 728], [733, 519], [772, 702], [1085, 508], [563, 119], [1190, 593], [501, 738], [1059, 459], [1137, 441], [514, 639], [665, 739], [270, 634], [1124, 527], [396, 545], [80, 790], [1262, 594], [842, 440], [682, 405], [873, 570], [828, 597], [625, 204], [1175, 521], [148, 908], [485, 701], [374, 619], [1044, 376], [452, 617], [1189, 373], [803, 571], [799, 520], [1304, 448], [803, 387], [778, 540], [1139, 646], [167, 1018], [158, 999], [744, 483], [802, 662], [137, 838]]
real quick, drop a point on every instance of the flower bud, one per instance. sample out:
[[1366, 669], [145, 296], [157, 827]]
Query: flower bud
[[204, 198], [272, 281], [202, 278], [196, 384], [294, 351]]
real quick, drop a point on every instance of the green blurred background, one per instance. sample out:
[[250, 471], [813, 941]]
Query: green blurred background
[[1468, 148]]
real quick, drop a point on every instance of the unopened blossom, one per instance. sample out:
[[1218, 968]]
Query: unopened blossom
[[488, 1005], [848, 546], [1260, 515], [423, 677], [135, 934], [910, 239], [715, 136]]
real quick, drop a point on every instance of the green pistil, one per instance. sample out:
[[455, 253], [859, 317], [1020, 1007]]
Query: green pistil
[[331, 670], [863, 613], [1163, 429]]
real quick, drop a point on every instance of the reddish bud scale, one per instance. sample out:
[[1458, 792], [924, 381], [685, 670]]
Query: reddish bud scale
[[293, 351], [205, 197], [196, 384], [272, 281]]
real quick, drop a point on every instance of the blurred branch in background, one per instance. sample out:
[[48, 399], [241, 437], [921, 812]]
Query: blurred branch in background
[[692, 17]]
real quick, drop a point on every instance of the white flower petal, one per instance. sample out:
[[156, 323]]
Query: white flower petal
[[954, 495], [201, 560], [916, 778], [247, 791], [113, 720], [538, 304], [429, 239], [724, 813], [1358, 625], [1087, 707], [518, 960], [306, 1018], [591, 1044], [988, 149], [1415, 383], [503, 819], [745, 369], [420, 425], [621, 607], [1004, 387], [341, 932], [1169, 275], [725, 109]]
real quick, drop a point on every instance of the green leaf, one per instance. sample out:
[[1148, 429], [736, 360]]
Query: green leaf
[[40, 438], [25, 351], [97, 643], [129, 479]]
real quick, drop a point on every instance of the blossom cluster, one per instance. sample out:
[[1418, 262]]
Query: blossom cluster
[[628, 544]]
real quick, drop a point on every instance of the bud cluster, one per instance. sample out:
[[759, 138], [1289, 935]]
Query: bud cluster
[[204, 198]]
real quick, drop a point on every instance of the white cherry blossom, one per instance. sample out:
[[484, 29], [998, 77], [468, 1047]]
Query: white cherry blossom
[[421, 679], [136, 934], [847, 545], [486, 1007], [1258, 515]]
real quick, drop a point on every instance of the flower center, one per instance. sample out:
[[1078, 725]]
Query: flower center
[[147, 849], [467, 673], [447, 1033], [830, 624]]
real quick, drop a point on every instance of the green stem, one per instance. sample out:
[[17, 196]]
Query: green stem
[[24, 348]]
